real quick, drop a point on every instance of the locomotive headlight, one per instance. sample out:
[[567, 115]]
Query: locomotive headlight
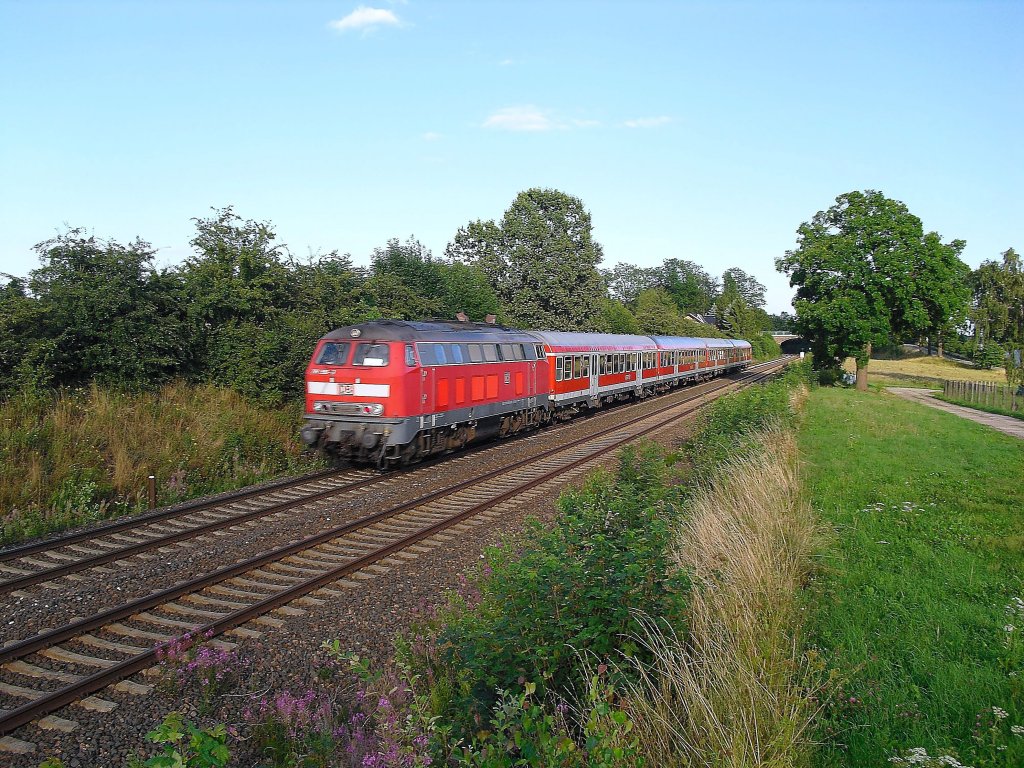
[[320, 406], [372, 409]]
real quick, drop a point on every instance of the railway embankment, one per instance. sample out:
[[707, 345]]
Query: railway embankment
[[278, 653]]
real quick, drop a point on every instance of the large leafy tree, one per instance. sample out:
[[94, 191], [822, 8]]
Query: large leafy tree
[[865, 273], [745, 285], [627, 281], [689, 285], [541, 260], [550, 278]]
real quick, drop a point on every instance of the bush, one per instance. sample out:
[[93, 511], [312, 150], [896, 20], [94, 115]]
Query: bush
[[724, 429], [565, 591], [989, 355]]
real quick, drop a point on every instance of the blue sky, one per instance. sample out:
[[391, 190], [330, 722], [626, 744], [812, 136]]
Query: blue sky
[[704, 131]]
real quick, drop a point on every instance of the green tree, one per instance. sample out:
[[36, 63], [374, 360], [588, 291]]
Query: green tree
[[479, 243], [541, 260], [865, 274], [689, 285], [627, 281], [465, 288], [406, 281], [784, 322], [26, 346], [240, 287], [745, 285], [104, 313], [238, 271], [997, 309], [550, 278], [657, 314], [614, 317]]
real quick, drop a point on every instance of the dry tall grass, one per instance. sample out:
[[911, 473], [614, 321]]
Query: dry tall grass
[[734, 691], [926, 368], [93, 447]]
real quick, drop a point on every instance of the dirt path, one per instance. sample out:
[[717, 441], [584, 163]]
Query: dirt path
[[1005, 424]]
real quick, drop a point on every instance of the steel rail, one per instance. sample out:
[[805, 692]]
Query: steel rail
[[164, 513], [64, 569], [99, 680], [29, 645]]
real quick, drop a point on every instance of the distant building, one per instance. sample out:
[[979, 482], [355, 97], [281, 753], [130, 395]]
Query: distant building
[[709, 318]]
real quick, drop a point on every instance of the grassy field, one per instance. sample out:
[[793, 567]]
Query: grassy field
[[919, 584], [924, 371]]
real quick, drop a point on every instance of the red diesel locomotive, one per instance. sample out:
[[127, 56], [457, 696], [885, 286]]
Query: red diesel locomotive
[[394, 391]]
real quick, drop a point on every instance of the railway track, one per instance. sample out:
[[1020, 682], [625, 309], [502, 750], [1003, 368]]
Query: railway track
[[70, 663]]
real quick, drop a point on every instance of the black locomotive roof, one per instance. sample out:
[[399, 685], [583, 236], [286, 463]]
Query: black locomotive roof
[[430, 330]]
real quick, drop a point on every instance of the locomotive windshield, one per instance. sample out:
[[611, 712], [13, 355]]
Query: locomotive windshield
[[370, 354], [333, 353]]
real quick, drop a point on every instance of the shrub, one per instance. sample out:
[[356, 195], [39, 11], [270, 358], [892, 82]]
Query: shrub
[[724, 429], [561, 591], [989, 355]]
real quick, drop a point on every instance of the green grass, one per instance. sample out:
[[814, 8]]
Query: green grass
[[909, 606]]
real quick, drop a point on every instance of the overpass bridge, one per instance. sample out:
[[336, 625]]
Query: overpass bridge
[[791, 344]]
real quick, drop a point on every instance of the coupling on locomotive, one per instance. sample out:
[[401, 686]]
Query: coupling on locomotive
[[395, 391]]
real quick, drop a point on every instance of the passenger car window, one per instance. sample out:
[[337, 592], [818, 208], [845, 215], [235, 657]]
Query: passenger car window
[[333, 353], [476, 354], [370, 354], [491, 353]]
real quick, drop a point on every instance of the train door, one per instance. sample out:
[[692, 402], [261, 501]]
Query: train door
[[531, 373], [593, 377], [427, 384]]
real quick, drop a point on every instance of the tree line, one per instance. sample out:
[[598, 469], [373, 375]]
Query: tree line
[[243, 312], [867, 274]]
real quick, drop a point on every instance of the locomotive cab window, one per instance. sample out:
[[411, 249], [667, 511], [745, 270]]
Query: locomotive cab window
[[410, 356], [333, 353], [369, 354]]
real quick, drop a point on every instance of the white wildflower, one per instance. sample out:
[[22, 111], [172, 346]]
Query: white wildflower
[[1017, 730], [1000, 714], [1009, 628]]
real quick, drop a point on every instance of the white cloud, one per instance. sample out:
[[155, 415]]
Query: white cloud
[[431, 136], [525, 118], [365, 18], [648, 122]]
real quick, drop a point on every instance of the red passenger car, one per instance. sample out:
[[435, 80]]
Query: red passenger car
[[395, 391]]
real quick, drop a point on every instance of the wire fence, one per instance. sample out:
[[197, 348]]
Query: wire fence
[[981, 393]]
